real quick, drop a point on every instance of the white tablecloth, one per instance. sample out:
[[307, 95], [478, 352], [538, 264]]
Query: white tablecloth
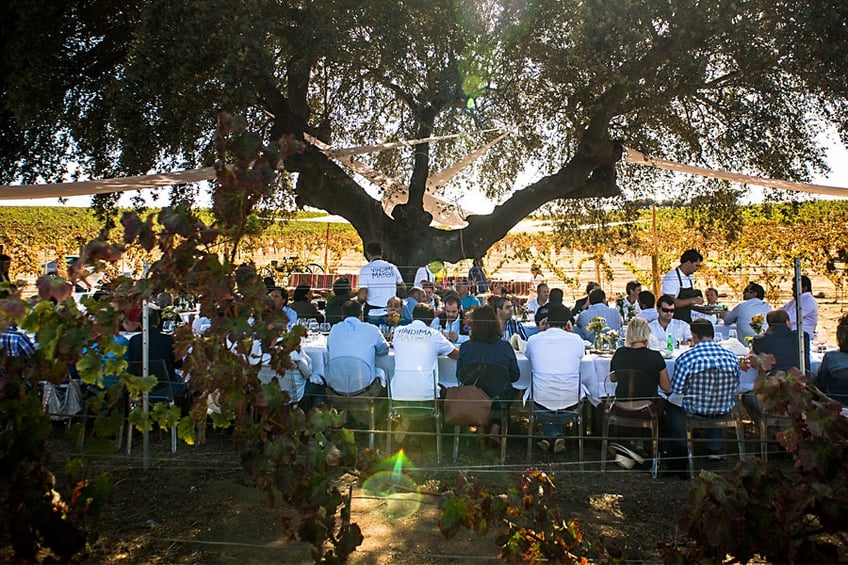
[[594, 369]]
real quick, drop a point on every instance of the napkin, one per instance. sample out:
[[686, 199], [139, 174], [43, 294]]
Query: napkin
[[517, 343], [735, 346]]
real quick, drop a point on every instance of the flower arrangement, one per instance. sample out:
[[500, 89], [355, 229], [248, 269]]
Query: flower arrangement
[[757, 323], [170, 314], [597, 324], [612, 338]]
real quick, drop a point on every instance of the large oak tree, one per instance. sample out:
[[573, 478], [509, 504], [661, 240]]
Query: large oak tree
[[122, 87]]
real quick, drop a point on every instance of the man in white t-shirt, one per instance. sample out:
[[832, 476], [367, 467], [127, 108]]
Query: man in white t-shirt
[[382, 281], [680, 284], [417, 349], [666, 324]]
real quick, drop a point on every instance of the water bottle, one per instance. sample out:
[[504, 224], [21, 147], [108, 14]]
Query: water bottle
[[669, 344]]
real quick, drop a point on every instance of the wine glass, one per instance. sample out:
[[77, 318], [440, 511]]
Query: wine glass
[[312, 325], [731, 334], [324, 327], [818, 342]]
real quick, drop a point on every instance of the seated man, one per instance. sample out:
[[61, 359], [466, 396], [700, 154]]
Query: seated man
[[416, 296], [341, 294], [467, 300], [711, 302], [647, 309], [451, 320], [597, 309], [751, 305], [833, 373], [717, 400], [540, 299], [667, 325], [583, 303], [16, 350], [417, 348], [159, 346], [630, 304], [280, 297], [511, 326], [782, 342], [555, 353], [554, 297], [353, 337]]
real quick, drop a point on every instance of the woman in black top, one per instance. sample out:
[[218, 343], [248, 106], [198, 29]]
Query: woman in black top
[[639, 370]]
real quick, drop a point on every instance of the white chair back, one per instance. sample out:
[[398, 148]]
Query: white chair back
[[348, 375], [419, 384]]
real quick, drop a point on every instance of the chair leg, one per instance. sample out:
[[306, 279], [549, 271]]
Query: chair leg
[[372, 423], [530, 425], [504, 437], [690, 448], [740, 437], [389, 432], [604, 442], [173, 440], [580, 441], [438, 439], [763, 425], [456, 429], [655, 436]]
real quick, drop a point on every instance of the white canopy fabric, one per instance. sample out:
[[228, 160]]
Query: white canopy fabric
[[444, 212], [123, 184], [637, 158]]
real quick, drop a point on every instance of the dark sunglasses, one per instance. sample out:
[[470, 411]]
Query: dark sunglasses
[[667, 310]]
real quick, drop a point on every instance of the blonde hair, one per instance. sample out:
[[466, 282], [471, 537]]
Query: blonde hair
[[638, 331]]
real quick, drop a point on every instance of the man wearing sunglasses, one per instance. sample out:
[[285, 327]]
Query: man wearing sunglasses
[[751, 305], [667, 325]]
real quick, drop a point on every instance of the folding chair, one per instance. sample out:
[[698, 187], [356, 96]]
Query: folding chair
[[631, 416], [712, 379], [414, 395], [348, 383], [163, 392], [570, 393]]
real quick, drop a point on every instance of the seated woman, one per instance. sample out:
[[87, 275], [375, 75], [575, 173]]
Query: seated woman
[[833, 374], [489, 362], [638, 371], [302, 304]]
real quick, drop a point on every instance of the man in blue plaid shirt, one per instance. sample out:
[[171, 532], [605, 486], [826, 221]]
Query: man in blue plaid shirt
[[702, 397]]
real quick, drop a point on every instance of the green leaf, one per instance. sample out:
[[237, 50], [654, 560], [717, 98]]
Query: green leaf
[[456, 514]]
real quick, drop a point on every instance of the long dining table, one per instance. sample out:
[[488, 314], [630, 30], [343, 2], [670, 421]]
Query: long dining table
[[594, 369]]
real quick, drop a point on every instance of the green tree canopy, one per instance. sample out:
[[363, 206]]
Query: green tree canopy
[[119, 88]]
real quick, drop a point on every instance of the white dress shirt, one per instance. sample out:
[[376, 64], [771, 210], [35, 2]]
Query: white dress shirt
[[555, 356], [743, 312], [354, 338], [678, 329], [809, 311]]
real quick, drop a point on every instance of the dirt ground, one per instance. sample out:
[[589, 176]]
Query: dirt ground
[[197, 506]]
